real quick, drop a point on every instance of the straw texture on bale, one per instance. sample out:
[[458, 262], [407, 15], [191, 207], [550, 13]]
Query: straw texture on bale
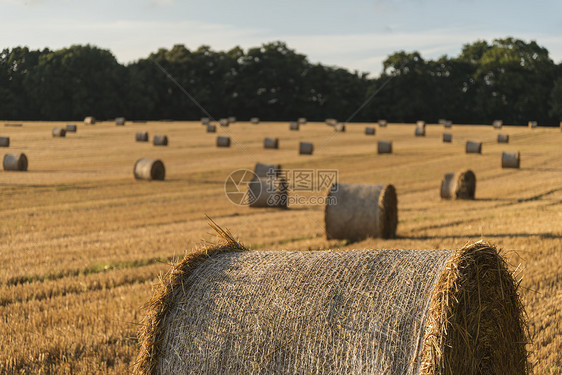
[[160, 140], [205, 120], [420, 131], [533, 124], [224, 122], [89, 120], [255, 120], [382, 123], [120, 121], [149, 169], [71, 128], [293, 125], [448, 124], [229, 310], [503, 138], [473, 147], [355, 212], [497, 124], [511, 159], [384, 147], [141, 136], [301, 120], [267, 188], [459, 185], [306, 148], [59, 132], [4, 141], [447, 137], [211, 128], [231, 119], [369, 130], [271, 143], [15, 162], [223, 141], [340, 127]]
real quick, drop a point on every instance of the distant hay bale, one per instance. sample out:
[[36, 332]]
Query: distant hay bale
[[447, 138], [211, 128], [384, 147], [473, 147], [503, 138], [224, 122], [306, 148], [255, 120], [511, 159], [13, 125], [89, 120], [58, 132], [71, 128], [420, 131], [205, 120], [231, 120], [4, 141], [160, 140], [448, 124], [15, 162], [293, 125], [301, 120], [533, 124], [268, 188], [459, 185], [339, 127], [382, 123], [420, 124], [223, 141], [441, 121], [141, 137], [331, 121], [149, 169], [229, 310], [369, 130], [354, 212], [271, 143], [120, 121], [497, 124]]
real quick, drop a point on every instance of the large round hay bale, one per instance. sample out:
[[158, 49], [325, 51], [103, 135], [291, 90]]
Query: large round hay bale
[[205, 120], [369, 130], [301, 120], [497, 124], [533, 124], [271, 143], [339, 127], [58, 132], [141, 137], [229, 310], [89, 120], [382, 123], [503, 138], [15, 162], [160, 140], [120, 121], [71, 128], [420, 131], [448, 124], [4, 141], [306, 148], [211, 128], [384, 147], [473, 147], [149, 169], [224, 122], [511, 159], [255, 120], [354, 212], [293, 125], [447, 138], [223, 141], [459, 185]]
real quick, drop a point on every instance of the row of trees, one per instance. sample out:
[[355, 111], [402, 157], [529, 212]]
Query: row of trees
[[507, 79]]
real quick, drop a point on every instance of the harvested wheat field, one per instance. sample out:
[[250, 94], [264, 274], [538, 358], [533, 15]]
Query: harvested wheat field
[[82, 242]]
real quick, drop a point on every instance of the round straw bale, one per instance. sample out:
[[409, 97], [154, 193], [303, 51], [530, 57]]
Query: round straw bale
[[89, 120], [229, 310], [255, 120], [384, 147], [160, 140], [4, 141], [149, 169], [340, 127], [15, 162], [420, 124], [293, 125], [211, 128], [268, 192], [205, 120], [301, 120], [533, 124], [231, 119], [459, 185], [382, 123], [441, 121], [223, 141], [497, 124], [331, 121], [369, 130], [120, 121], [355, 212], [59, 132], [271, 143], [511, 159], [473, 147], [420, 131], [447, 137], [267, 170], [141, 136], [503, 138], [71, 128], [306, 148], [448, 124], [224, 122]]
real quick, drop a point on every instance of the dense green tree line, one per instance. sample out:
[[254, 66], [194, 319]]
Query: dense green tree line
[[507, 79]]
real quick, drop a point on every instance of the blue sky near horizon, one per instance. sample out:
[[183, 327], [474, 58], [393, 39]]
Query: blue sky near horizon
[[356, 35]]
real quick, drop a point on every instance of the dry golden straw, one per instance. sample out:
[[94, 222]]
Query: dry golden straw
[[149, 169], [228, 310], [459, 185]]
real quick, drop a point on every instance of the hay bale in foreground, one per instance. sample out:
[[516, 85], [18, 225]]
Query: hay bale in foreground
[[339, 127], [223, 141], [369, 130], [459, 185], [255, 120], [120, 121], [533, 124], [382, 123], [420, 131], [267, 188], [89, 120], [503, 138], [301, 120], [473, 147], [229, 310], [511, 159], [160, 140], [211, 128], [4, 141], [293, 125], [497, 124], [447, 138], [306, 148], [224, 122], [71, 128], [141, 137], [354, 212], [149, 169], [58, 132], [272, 143], [15, 162], [384, 147]]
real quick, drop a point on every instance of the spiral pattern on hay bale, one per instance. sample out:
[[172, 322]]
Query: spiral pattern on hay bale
[[306, 148], [458, 185], [384, 147], [149, 169], [15, 162], [511, 159], [160, 140]]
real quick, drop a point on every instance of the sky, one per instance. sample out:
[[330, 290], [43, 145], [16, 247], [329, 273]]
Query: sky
[[357, 34]]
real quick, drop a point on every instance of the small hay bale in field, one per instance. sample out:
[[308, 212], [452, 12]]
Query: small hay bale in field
[[420, 124], [301, 120], [271, 143], [255, 120], [355, 211], [71, 128], [14, 125], [120, 121], [160, 140], [205, 120], [267, 188], [503, 138], [369, 130], [141, 137], [420, 131], [229, 310], [459, 185], [448, 124], [306, 148], [511, 159], [4, 141], [497, 124], [211, 128], [533, 124], [293, 125], [231, 119], [441, 121], [331, 121], [382, 123], [224, 122], [473, 147], [89, 120], [58, 132], [447, 138], [384, 147], [15, 162], [339, 127], [149, 169], [223, 141]]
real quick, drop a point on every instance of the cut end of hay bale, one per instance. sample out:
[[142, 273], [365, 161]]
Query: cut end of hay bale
[[89, 120], [459, 185], [149, 169], [141, 137], [160, 140], [120, 121], [503, 138], [511, 159], [15, 162], [497, 124], [340, 127], [59, 132]]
